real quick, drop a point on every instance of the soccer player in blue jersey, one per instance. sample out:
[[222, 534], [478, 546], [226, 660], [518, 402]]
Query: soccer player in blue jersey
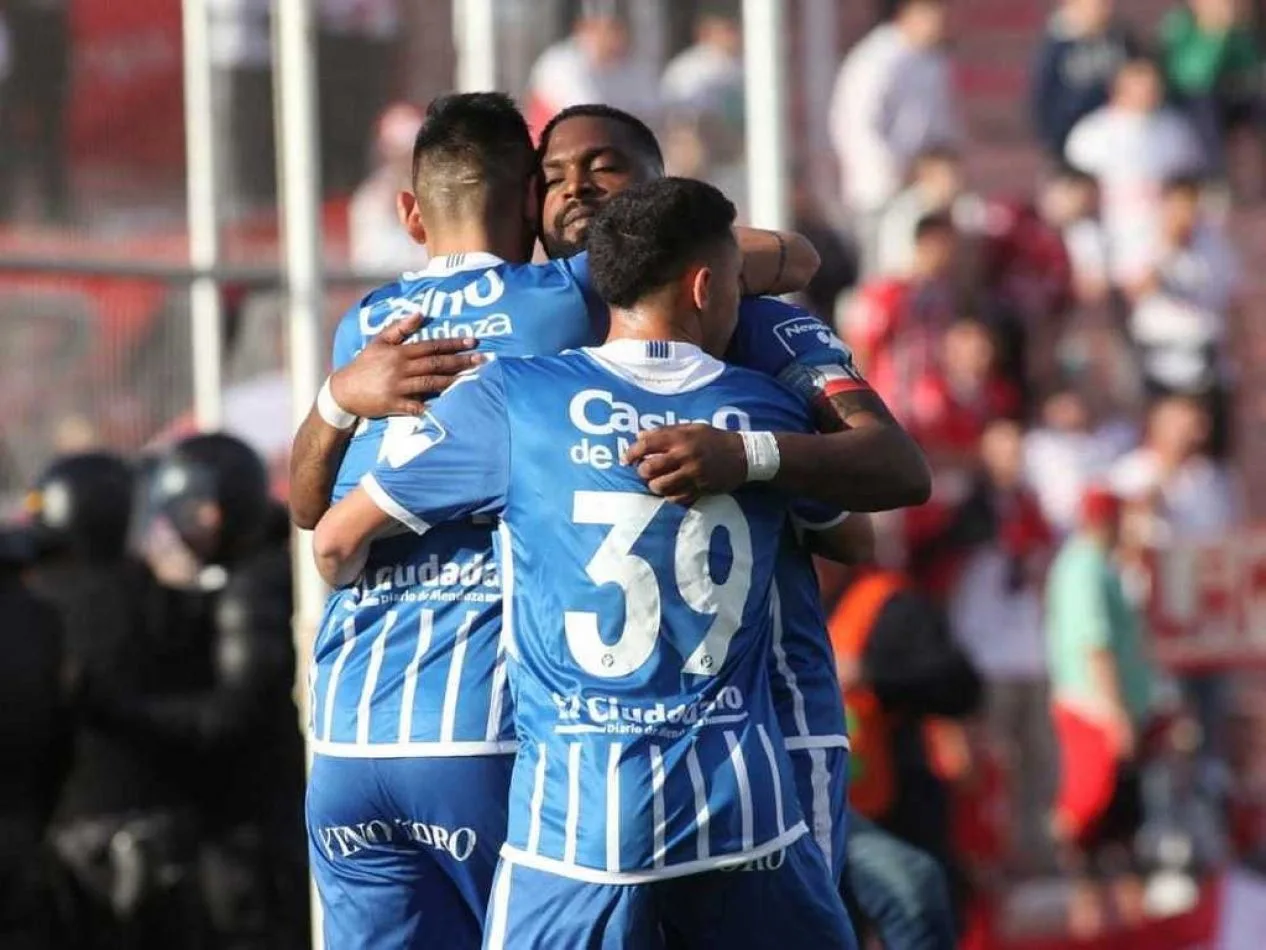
[[407, 684], [652, 795]]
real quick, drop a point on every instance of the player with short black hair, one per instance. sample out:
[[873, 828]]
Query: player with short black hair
[[638, 243]]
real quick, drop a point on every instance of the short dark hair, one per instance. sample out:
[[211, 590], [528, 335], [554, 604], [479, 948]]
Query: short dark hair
[[1188, 184], [473, 148], [643, 137], [1070, 173], [940, 222], [648, 235]]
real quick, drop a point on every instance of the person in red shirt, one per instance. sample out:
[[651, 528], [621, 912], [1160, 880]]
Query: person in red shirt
[[896, 323], [953, 402]]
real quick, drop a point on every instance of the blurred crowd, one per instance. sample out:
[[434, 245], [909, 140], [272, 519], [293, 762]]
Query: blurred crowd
[[1067, 357]]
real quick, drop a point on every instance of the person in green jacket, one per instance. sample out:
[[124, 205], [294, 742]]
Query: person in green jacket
[[1213, 62]]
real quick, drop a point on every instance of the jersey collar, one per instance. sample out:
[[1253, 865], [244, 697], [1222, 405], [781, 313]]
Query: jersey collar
[[455, 263], [660, 366]]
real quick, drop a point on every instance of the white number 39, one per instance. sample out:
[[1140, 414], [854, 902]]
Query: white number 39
[[629, 514]]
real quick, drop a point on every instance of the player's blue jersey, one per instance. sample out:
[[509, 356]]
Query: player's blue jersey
[[639, 631], [799, 349], [406, 661]]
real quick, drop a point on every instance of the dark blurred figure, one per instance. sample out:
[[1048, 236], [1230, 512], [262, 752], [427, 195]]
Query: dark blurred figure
[[208, 530], [241, 59], [356, 62], [840, 269], [32, 743], [900, 669], [1079, 55], [33, 106], [124, 826]]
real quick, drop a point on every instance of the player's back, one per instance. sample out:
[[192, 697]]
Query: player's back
[[648, 741], [406, 660]]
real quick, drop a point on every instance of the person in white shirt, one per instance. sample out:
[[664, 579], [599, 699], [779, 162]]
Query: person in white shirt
[[593, 65], [1177, 491], [1067, 453], [1182, 308], [702, 91], [1132, 146], [379, 244], [893, 99]]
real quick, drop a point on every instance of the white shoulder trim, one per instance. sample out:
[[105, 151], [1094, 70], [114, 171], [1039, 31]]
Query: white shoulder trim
[[378, 495]]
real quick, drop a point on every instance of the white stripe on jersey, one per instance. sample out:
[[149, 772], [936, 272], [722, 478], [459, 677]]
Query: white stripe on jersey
[[331, 688], [506, 566], [613, 807], [387, 505], [702, 815], [744, 790], [773, 770], [371, 678], [657, 802], [784, 668], [820, 783], [576, 872], [497, 698], [499, 914], [453, 686], [426, 630], [573, 804], [538, 800], [796, 743]]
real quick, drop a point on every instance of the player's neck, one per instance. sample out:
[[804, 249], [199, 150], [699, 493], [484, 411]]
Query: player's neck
[[478, 238], [652, 323]]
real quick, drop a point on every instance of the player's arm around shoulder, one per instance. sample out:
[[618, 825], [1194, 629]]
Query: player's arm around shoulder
[[387, 377], [450, 463], [860, 459]]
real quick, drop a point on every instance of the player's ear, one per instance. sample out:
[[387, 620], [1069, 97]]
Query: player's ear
[[410, 216], [699, 283]]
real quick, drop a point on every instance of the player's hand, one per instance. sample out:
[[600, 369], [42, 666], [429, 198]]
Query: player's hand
[[389, 376], [682, 463], [1123, 735]]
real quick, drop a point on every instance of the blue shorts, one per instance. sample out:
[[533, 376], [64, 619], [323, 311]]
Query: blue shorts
[[403, 850], [786, 899], [822, 787]]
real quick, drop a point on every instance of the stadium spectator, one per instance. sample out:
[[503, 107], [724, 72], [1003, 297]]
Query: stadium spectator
[[702, 91], [1079, 55], [1132, 146], [241, 61], [895, 323], [33, 104], [1067, 451], [1101, 689], [838, 271], [1184, 307], [356, 59], [936, 187], [995, 613], [959, 396], [893, 99], [379, 243], [1182, 492], [1069, 202], [1213, 62], [593, 64], [899, 665]]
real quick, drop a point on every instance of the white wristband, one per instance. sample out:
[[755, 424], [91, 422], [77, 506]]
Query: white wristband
[[329, 409], [763, 459]]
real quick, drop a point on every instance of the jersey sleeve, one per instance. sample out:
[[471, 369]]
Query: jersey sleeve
[[347, 341], [809, 515], [453, 462], [577, 267], [795, 347]]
